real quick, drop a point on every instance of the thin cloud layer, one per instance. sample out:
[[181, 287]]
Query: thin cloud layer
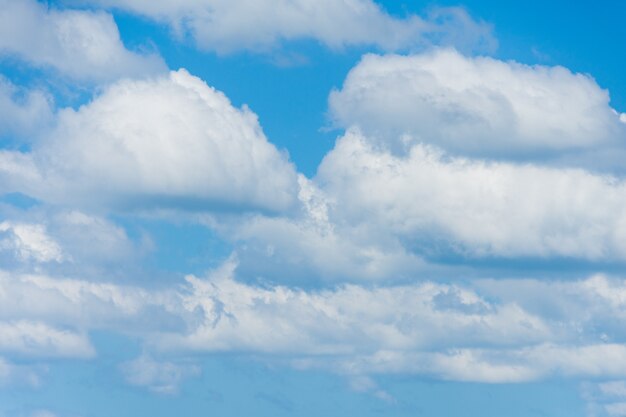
[[81, 45], [227, 26], [472, 332], [23, 112]]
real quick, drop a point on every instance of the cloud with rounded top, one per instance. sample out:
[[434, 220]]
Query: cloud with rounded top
[[170, 142]]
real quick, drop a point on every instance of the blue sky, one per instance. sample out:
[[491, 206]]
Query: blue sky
[[312, 208]]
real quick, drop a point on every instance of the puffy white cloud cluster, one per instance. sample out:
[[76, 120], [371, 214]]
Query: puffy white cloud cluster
[[79, 44], [446, 156], [228, 25], [170, 141], [472, 207], [476, 106], [442, 155]]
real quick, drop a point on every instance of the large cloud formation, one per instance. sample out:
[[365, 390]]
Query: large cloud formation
[[171, 141], [477, 106], [475, 208], [432, 165]]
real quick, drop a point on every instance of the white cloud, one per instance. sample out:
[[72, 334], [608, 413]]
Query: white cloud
[[229, 25], [605, 398], [29, 242], [613, 388], [159, 376], [23, 113], [12, 374], [38, 339], [92, 240], [79, 44], [170, 142], [67, 242], [16, 170], [309, 246], [366, 384], [438, 205], [492, 365], [82, 304], [476, 331], [43, 413], [616, 409], [477, 106], [348, 320], [440, 330]]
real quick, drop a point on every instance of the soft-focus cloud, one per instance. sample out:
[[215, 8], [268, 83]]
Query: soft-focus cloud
[[23, 112], [170, 142], [81, 45], [478, 106], [228, 25], [29, 242], [12, 374], [38, 339], [605, 399], [163, 377]]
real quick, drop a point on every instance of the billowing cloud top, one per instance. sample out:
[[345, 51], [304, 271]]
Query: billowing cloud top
[[476, 106], [168, 141], [447, 168]]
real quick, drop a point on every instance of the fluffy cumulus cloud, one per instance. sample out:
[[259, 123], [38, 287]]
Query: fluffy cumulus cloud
[[227, 25], [78, 44], [437, 204], [443, 157], [171, 141], [477, 106], [451, 158]]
